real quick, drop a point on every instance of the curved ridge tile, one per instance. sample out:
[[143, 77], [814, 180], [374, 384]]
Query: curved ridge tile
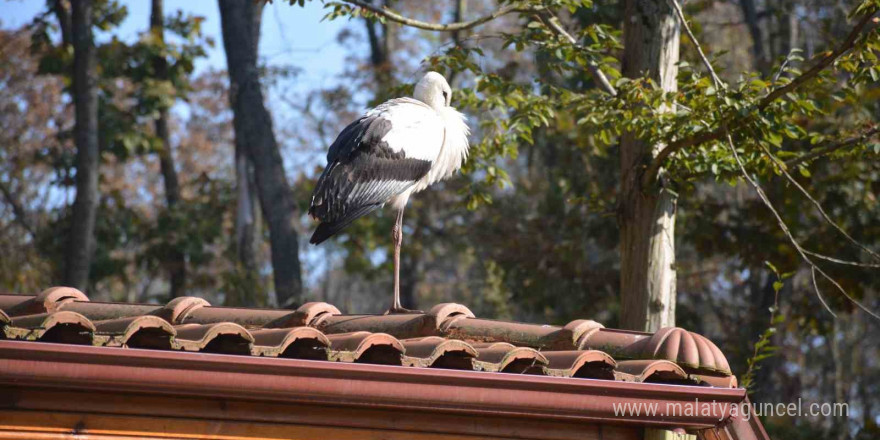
[[685, 348], [223, 337], [437, 352], [444, 314], [594, 364], [64, 326], [313, 313], [366, 347], [178, 309], [53, 297], [719, 361], [46, 301], [295, 342], [579, 331], [145, 331]]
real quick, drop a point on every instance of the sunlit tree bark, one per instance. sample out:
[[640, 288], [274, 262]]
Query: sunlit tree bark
[[647, 216]]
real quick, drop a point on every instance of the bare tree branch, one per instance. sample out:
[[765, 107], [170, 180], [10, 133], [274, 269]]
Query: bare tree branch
[[839, 261], [441, 27], [674, 4], [654, 167], [829, 59], [828, 149], [781, 166], [813, 154], [17, 209], [552, 22], [819, 292], [800, 250]]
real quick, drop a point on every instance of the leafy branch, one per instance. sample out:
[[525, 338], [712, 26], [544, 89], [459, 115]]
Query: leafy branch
[[763, 348], [396, 17], [832, 147], [869, 10], [553, 23], [718, 133]]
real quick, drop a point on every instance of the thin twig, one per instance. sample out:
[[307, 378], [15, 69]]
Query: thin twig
[[815, 153], [781, 167], [794, 242], [761, 194], [654, 167], [828, 149], [553, 23], [819, 292], [674, 4], [441, 27], [782, 67], [839, 261], [829, 59]]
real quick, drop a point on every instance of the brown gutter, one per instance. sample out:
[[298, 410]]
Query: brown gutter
[[46, 365]]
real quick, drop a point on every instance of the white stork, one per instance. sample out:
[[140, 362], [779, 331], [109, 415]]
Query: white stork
[[389, 153]]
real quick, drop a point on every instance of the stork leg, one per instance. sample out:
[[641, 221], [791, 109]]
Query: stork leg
[[397, 237]]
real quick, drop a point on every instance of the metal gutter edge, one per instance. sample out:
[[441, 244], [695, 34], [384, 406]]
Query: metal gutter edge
[[126, 370]]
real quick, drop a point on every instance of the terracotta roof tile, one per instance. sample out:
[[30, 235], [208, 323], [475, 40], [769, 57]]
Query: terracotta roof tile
[[64, 326], [448, 336], [294, 342], [592, 364], [651, 371], [145, 331], [221, 337], [366, 347], [437, 352]]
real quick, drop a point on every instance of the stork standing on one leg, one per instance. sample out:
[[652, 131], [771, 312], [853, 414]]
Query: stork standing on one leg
[[389, 153]]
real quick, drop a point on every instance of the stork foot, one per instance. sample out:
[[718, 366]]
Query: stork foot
[[401, 311]]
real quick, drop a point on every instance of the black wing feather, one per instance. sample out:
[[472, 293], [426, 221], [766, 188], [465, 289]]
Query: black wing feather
[[326, 230], [362, 173]]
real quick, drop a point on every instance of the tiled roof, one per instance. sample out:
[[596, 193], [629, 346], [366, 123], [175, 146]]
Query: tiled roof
[[447, 336]]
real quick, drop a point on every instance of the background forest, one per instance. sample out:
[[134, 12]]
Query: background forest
[[198, 194]]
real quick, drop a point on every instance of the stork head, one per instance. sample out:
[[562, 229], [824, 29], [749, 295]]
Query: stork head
[[433, 90]]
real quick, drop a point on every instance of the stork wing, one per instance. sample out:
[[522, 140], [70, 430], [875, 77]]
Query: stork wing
[[378, 156]]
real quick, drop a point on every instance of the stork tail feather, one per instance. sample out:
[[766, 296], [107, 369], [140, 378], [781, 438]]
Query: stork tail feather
[[328, 229]]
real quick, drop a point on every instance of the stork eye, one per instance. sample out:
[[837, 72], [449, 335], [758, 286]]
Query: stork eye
[[445, 94]]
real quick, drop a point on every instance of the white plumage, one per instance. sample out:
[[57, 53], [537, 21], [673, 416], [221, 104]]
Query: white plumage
[[394, 150]]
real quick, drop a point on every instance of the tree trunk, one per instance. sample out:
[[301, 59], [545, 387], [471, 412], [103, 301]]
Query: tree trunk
[[176, 261], [253, 133], [458, 36], [759, 50], [380, 50], [246, 227], [81, 239], [647, 218]]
